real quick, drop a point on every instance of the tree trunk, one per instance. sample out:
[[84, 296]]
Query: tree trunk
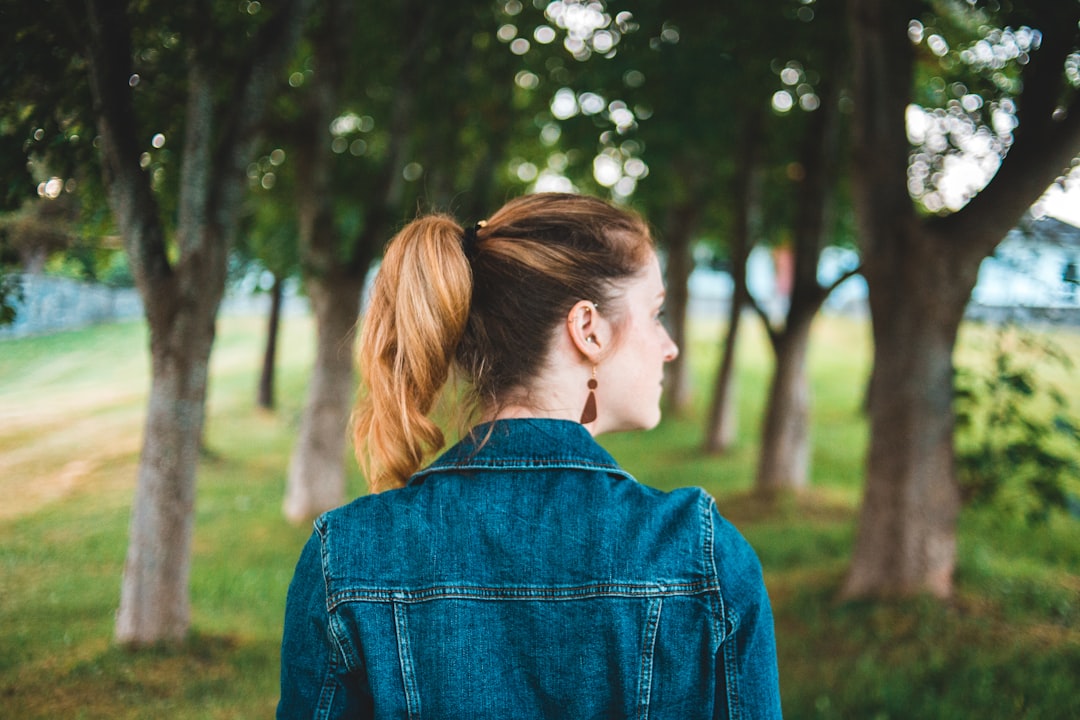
[[180, 298], [784, 461], [906, 540], [154, 603], [316, 480], [920, 274], [266, 377], [682, 221], [181, 304], [785, 438], [334, 279], [721, 424]]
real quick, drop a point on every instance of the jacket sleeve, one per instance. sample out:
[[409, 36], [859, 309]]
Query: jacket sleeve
[[314, 681], [747, 681]]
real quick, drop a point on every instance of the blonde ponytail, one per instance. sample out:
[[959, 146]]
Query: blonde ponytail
[[418, 309]]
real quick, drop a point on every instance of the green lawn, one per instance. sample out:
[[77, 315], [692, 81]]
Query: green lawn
[[71, 405]]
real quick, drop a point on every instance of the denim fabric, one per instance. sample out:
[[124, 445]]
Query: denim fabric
[[532, 578]]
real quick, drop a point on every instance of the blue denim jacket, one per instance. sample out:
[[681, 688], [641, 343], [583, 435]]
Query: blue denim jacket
[[532, 578]]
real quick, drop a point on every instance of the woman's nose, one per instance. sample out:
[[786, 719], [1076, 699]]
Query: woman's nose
[[672, 350]]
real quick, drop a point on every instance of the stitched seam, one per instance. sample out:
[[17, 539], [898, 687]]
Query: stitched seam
[[708, 538], [519, 464], [732, 675], [408, 677], [437, 592], [329, 687], [648, 648], [709, 549]]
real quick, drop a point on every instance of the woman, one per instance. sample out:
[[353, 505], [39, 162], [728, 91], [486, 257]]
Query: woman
[[523, 573]]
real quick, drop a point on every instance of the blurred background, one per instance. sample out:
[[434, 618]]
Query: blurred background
[[869, 220]]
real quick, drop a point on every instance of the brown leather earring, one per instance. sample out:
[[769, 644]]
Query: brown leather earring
[[589, 413]]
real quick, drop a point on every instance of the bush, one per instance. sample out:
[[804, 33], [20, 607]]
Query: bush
[[1017, 444]]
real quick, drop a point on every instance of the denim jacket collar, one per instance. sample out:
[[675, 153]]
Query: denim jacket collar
[[524, 443]]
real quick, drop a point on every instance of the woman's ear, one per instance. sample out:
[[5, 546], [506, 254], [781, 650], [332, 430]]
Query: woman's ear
[[589, 331]]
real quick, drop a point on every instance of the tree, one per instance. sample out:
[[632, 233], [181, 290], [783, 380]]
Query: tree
[[721, 422], [181, 289], [690, 142], [784, 456], [421, 98], [921, 269], [333, 269], [265, 393], [267, 247]]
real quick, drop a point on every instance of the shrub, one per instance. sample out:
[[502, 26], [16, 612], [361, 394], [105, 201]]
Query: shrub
[[1017, 444]]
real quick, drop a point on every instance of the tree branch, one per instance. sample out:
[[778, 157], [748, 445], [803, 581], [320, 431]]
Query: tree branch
[[882, 58], [773, 333], [828, 289], [108, 48]]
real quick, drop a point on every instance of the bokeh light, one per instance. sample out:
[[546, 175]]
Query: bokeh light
[[587, 26], [591, 103], [564, 104], [527, 80], [51, 188], [544, 34], [782, 101], [606, 170]]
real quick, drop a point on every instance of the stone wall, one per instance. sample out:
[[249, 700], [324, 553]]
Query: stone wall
[[50, 304]]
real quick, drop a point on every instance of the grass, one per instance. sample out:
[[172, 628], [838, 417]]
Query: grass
[[71, 407]]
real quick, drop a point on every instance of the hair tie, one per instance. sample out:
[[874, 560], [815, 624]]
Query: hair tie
[[469, 239]]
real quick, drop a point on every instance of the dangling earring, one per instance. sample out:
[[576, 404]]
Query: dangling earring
[[589, 413]]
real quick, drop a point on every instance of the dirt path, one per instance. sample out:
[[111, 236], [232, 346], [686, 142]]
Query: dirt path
[[48, 453]]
